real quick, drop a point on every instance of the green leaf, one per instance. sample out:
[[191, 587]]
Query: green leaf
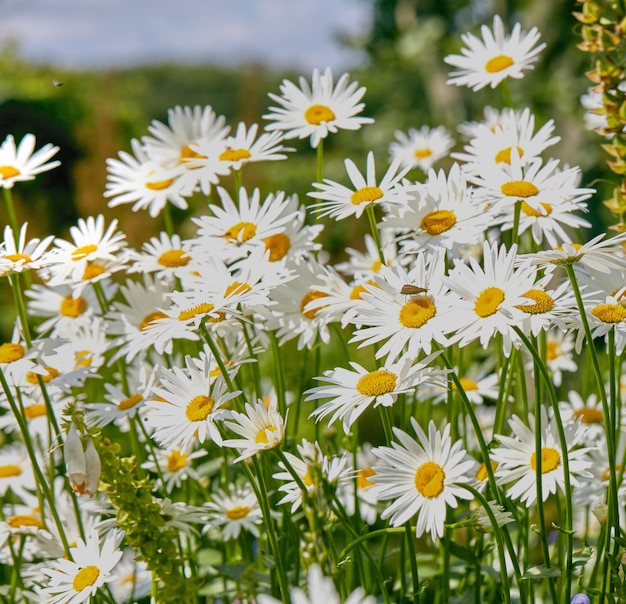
[[541, 572]]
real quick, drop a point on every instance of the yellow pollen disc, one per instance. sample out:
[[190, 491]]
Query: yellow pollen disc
[[238, 512], [33, 378], [543, 302], [130, 402], [85, 577], [234, 154], [519, 189], [488, 301], [174, 258], [422, 153], [187, 153], [481, 473], [309, 297], [159, 185], [438, 222], [589, 415], [261, 436], [237, 289], [609, 313], [550, 460], [576, 246], [83, 358], [376, 383], [240, 232], [73, 307], [35, 410], [176, 461], [278, 246], [81, 252], [429, 479], [150, 318], [505, 154], [606, 474], [376, 265], [22, 520], [552, 351], [357, 290], [366, 195], [316, 114], [18, 257], [363, 478], [417, 312], [530, 211], [10, 470], [498, 63], [467, 384], [92, 271], [194, 311], [10, 352], [307, 479], [8, 171], [199, 407]]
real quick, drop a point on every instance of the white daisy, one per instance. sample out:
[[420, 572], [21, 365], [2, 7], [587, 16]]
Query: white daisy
[[421, 148], [20, 255], [16, 471], [420, 476], [234, 511], [173, 465], [19, 164], [364, 264], [133, 580]]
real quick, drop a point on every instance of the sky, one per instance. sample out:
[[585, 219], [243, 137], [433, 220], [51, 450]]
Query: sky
[[121, 33]]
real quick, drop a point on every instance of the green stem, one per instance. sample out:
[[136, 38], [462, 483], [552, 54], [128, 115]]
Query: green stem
[[410, 541], [319, 164], [8, 198], [280, 376], [168, 223], [517, 211], [238, 181], [371, 216]]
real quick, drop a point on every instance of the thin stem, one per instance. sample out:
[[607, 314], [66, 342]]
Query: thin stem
[[371, 216], [168, 223], [319, 164], [8, 198], [408, 531]]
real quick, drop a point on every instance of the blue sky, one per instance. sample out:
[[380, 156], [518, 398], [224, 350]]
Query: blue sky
[[103, 33]]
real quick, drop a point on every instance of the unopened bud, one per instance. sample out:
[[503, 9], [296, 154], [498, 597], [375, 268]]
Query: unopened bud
[[601, 512], [93, 466], [74, 457]]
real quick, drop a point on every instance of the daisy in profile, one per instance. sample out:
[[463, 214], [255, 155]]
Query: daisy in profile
[[339, 201], [353, 391], [24, 163], [496, 57], [588, 411], [363, 264], [173, 466], [516, 457], [317, 109], [91, 567], [234, 511], [420, 477], [261, 427], [133, 580], [21, 255], [421, 148], [559, 354], [16, 471]]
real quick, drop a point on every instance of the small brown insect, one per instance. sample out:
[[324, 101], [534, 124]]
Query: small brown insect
[[57, 83], [412, 290]]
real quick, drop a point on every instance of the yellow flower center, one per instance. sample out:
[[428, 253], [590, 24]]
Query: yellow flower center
[[73, 307], [238, 512], [35, 410], [589, 415], [609, 313], [481, 473], [488, 302], [422, 153], [92, 271], [18, 257], [278, 246], [519, 189], [176, 461], [85, 577], [10, 470], [467, 384], [316, 114], [199, 407], [417, 312], [33, 378], [309, 297], [83, 358], [529, 211], [8, 171], [366, 195], [130, 402], [22, 520], [187, 153], [10, 352], [576, 246], [376, 383], [376, 265], [159, 185], [261, 436], [174, 258], [429, 479], [357, 290], [498, 63], [307, 479], [151, 318], [438, 222], [194, 311], [543, 302], [553, 351], [234, 154], [363, 478], [550, 460], [240, 232], [505, 154], [607, 473], [82, 252], [237, 289]]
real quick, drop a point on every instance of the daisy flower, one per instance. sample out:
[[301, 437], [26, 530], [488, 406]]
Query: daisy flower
[[173, 465], [421, 148], [362, 265], [420, 477], [234, 511], [133, 580], [496, 57], [606, 317], [339, 201], [559, 357], [16, 471], [19, 164], [187, 405], [317, 109], [354, 391], [588, 411], [492, 119], [261, 427], [92, 567], [20, 255], [516, 458], [477, 384]]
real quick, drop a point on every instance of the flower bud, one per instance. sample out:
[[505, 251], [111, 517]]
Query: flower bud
[[93, 466], [74, 457]]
